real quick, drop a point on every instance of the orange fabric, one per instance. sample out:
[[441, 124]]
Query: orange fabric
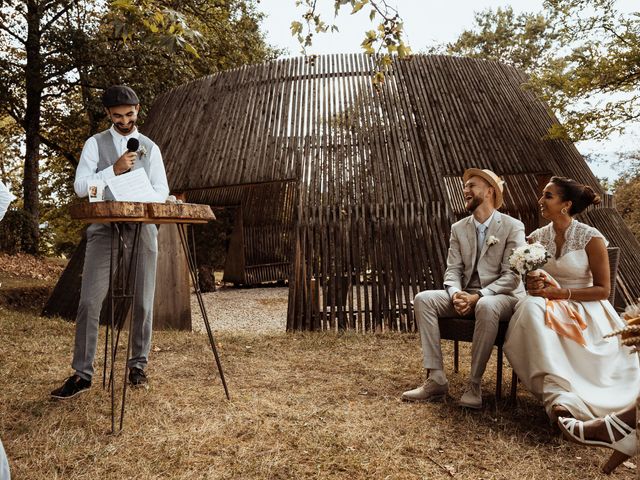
[[565, 320]]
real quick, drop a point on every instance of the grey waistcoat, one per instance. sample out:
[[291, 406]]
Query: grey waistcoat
[[107, 154]]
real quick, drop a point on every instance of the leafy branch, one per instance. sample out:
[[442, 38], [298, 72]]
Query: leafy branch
[[164, 26], [384, 41]]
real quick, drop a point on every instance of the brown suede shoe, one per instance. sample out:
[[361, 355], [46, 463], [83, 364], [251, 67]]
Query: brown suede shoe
[[472, 397], [431, 391]]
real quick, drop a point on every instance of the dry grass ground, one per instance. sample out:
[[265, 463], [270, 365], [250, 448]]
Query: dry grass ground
[[304, 406]]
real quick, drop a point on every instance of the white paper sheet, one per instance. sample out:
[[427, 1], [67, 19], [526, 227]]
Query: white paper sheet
[[132, 187]]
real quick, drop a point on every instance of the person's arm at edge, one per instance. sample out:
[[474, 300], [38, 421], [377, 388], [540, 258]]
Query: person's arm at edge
[[6, 197]]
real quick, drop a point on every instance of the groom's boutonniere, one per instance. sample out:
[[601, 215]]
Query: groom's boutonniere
[[142, 151], [492, 240]]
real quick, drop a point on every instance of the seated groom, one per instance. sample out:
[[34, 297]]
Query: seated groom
[[478, 282]]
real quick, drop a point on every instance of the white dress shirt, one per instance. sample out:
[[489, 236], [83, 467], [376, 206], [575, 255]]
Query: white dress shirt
[[6, 197], [88, 165], [453, 290]]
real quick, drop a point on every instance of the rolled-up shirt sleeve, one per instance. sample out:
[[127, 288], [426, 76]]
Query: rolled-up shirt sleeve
[[88, 168]]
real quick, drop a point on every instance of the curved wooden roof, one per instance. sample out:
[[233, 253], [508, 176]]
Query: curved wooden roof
[[434, 117]]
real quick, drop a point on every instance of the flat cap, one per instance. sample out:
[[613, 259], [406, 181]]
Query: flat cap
[[119, 95]]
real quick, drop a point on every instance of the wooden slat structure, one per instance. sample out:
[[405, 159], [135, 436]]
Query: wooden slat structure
[[377, 170], [260, 244], [357, 185]]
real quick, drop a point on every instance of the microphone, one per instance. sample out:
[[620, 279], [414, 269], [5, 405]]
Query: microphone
[[133, 144]]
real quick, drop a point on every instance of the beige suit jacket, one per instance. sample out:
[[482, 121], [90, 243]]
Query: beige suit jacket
[[493, 264]]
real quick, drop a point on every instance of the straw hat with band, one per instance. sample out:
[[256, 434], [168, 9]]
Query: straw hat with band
[[491, 178]]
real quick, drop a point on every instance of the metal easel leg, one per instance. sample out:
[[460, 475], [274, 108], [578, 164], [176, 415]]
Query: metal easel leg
[[126, 280], [191, 261], [121, 280], [114, 229], [110, 321], [114, 293]]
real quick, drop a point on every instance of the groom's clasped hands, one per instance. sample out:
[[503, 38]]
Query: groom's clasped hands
[[464, 303]]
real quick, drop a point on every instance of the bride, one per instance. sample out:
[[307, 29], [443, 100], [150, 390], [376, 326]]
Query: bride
[[554, 341]]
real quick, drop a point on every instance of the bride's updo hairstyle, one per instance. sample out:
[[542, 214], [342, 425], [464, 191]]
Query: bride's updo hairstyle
[[581, 196]]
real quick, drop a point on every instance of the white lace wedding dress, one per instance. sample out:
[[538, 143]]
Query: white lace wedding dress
[[593, 380]]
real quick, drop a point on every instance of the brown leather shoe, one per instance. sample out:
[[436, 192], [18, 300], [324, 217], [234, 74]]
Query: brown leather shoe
[[431, 391]]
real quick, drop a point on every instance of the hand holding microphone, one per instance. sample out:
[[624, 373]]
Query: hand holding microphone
[[128, 158]]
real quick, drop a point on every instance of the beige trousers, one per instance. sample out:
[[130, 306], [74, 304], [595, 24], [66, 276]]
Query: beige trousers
[[489, 312]]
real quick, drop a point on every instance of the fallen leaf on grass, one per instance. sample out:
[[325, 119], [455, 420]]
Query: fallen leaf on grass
[[23, 265]]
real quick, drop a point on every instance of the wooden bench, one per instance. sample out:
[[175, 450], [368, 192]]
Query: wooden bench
[[461, 330]]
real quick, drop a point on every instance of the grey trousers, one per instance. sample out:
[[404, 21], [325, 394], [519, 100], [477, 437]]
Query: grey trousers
[[95, 286], [489, 311]]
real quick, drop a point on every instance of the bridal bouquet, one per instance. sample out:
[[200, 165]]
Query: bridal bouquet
[[528, 258]]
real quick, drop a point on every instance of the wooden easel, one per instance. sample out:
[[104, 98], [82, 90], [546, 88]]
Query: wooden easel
[[122, 272]]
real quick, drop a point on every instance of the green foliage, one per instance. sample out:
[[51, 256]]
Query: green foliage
[[15, 232], [212, 239], [150, 45], [212, 245], [10, 166], [627, 196], [525, 41], [582, 55], [163, 26]]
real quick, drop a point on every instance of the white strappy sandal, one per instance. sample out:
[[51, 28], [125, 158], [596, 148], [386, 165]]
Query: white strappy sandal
[[624, 448]]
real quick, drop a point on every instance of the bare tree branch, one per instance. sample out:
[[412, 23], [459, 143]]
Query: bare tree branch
[[13, 34], [53, 19], [61, 150]]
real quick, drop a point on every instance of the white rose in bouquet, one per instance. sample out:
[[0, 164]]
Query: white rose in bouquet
[[528, 258]]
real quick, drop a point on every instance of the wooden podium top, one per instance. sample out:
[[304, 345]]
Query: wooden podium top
[[106, 212]]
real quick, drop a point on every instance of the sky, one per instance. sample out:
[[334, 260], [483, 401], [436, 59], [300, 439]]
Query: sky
[[426, 23]]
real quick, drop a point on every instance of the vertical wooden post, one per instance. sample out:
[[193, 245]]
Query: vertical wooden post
[[172, 303]]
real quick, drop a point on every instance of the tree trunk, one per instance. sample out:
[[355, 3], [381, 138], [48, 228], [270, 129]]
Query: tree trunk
[[34, 85]]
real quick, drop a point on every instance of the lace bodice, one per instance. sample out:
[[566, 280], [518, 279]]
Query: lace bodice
[[571, 269], [576, 237]]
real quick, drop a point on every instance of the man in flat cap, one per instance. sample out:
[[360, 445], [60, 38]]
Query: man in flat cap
[[478, 282], [105, 155]]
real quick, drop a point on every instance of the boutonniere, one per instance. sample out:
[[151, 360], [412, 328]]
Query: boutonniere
[[142, 151], [492, 240]]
